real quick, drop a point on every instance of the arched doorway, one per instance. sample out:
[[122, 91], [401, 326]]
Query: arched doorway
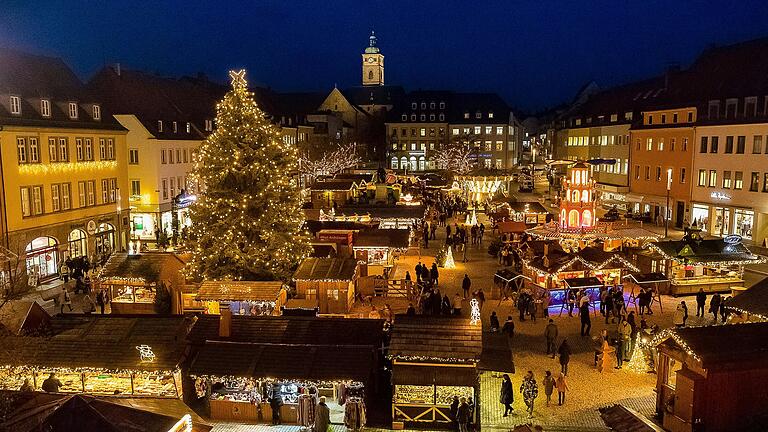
[[105, 239], [394, 163], [422, 166], [573, 218], [414, 166], [42, 259], [586, 218], [403, 163], [78, 244]]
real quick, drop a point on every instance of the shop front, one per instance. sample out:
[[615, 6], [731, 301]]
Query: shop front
[[720, 220], [255, 298], [380, 248], [42, 259], [78, 244]]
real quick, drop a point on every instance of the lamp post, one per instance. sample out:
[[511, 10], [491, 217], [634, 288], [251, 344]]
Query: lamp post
[[666, 209]]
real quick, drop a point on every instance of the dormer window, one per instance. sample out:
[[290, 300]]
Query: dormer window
[[175, 127], [15, 105], [97, 112], [423, 117], [209, 125], [478, 115], [73, 110], [189, 128], [431, 117], [45, 107], [490, 114], [405, 117], [159, 125], [423, 105], [431, 105], [466, 115], [413, 105], [442, 117], [442, 105], [413, 117]]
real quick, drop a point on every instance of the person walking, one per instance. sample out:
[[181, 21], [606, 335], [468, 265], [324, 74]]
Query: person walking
[[66, 300], [445, 306], [549, 386], [565, 355], [724, 309], [571, 301], [434, 274], [509, 329], [633, 335], [678, 319], [100, 300], [454, 410], [714, 305], [530, 391], [480, 296], [457, 304], [586, 320], [462, 415], [685, 311], [625, 334], [562, 387], [550, 334], [322, 416], [494, 322], [466, 284], [507, 396], [701, 300]]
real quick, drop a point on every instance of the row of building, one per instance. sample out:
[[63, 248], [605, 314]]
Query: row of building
[[699, 132]]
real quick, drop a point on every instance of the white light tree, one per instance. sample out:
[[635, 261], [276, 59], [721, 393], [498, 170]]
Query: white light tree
[[330, 163], [460, 155]]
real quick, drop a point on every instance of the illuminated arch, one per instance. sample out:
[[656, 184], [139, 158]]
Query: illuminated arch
[[575, 196], [573, 218], [586, 218]]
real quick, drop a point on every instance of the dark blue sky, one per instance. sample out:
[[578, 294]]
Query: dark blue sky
[[534, 53]]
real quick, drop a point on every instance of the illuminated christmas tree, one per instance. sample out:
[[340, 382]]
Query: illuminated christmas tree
[[449, 259], [246, 224]]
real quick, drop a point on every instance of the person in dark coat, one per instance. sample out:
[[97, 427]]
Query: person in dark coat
[[701, 300], [507, 396], [411, 310], [724, 309], [454, 409], [509, 328], [714, 305], [463, 415], [322, 416], [494, 322], [550, 334], [586, 320], [275, 403], [445, 307], [466, 284], [565, 356], [434, 274]]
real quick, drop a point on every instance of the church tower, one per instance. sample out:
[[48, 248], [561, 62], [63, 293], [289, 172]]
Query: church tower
[[373, 64]]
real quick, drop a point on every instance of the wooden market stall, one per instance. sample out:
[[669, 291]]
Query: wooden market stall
[[101, 355], [592, 286], [243, 297], [749, 305], [329, 281], [238, 366], [713, 378], [714, 265], [433, 359], [531, 213], [132, 281], [378, 249], [334, 193]]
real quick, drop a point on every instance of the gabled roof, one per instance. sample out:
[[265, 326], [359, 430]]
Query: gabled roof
[[374, 95], [392, 238], [239, 290], [18, 316], [706, 251], [343, 269], [753, 301], [435, 338], [147, 265], [723, 345]]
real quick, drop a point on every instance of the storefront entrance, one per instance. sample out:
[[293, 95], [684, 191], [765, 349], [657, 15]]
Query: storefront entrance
[[42, 257], [105, 239], [743, 222], [680, 214], [722, 226], [78, 244], [700, 216]]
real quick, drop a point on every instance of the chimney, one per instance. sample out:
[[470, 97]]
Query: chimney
[[225, 322]]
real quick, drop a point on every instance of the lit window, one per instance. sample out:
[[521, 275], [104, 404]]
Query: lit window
[[490, 115], [96, 112], [159, 125], [15, 105], [73, 110], [45, 107], [175, 127]]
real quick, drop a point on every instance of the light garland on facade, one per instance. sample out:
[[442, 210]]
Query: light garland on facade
[[78, 370], [66, 167], [587, 264], [671, 333]]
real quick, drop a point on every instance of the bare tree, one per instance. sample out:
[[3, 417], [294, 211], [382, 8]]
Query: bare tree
[[460, 155], [330, 163]]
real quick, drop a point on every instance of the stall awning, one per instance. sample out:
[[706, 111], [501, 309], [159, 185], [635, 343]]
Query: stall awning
[[434, 375], [239, 290]]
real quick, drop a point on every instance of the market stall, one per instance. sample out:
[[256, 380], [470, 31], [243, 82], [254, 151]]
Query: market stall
[[384, 217], [101, 355], [330, 282], [379, 248], [243, 297], [714, 265], [433, 359], [531, 213], [589, 285], [132, 281]]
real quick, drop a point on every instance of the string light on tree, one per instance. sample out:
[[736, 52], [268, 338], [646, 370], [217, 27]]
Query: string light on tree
[[246, 222], [449, 263]]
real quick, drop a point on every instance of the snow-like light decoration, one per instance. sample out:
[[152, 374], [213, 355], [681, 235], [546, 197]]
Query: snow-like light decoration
[[474, 306]]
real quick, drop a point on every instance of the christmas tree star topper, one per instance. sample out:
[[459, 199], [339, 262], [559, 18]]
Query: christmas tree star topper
[[238, 78]]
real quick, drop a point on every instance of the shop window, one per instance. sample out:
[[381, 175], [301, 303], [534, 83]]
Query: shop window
[[394, 163], [42, 258], [77, 243], [586, 218], [765, 182], [573, 218]]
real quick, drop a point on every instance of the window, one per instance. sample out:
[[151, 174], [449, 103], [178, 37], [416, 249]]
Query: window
[[431, 117], [499, 145], [750, 106], [21, 150], [738, 180], [663, 119], [178, 155], [757, 144], [81, 193], [479, 115], [658, 173], [104, 191], [162, 157], [160, 126], [442, 117], [404, 117], [45, 107], [102, 148], [690, 116], [499, 130], [765, 182], [15, 105], [729, 144], [175, 127], [173, 187], [55, 198], [712, 178], [413, 117], [133, 156], [741, 141], [488, 130], [650, 119], [685, 144], [647, 173], [165, 189], [704, 144], [490, 114], [423, 132], [189, 127], [682, 175], [754, 182], [672, 144], [702, 177], [113, 190], [25, 207], [714, 109], [209, 125], [714, 144], [88, 149], [637, 172], [63, 150], [37, 200], [637, 144], [97, 112], [91, 192], [731, 106], [79, 151], [52, 151], [478, 130], [73, 110], [65, 201], [423, 117], [726, 179], [661, 144], [674, 118], [442, 105]]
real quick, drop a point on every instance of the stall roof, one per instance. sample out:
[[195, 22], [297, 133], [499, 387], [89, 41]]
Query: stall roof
[[706, 251], [723, 345], [622, 419], [315, 226], [532, 207], [433, 375], [84, 412], [644, 278], [139, 266], [512, 227], [586, 282], [291, 330], [344, 269], [26, 316], [102, 342], [496, 355], [334, 185], [435, 338], [290, 361], [384, 212], [398, 239], [753, 301], [239, 290]]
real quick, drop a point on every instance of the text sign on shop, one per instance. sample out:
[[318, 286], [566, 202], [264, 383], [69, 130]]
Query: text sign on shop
[[719, 196], [732, 239]]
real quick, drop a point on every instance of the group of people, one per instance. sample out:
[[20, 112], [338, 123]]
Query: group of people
[[529, 389], [462, 413]]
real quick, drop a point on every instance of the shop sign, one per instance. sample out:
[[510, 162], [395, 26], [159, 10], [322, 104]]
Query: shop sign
[[732, 239], [91, 227], [185, 201], [720, 196]]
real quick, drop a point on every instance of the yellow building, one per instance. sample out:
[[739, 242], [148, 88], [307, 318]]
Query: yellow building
[[63, 167]]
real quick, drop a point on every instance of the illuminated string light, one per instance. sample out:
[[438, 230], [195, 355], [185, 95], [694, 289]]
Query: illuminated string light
[[474, 306], [449, 263]]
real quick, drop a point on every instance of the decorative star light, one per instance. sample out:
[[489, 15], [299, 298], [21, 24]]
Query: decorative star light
[[146, 354], [238, 78]]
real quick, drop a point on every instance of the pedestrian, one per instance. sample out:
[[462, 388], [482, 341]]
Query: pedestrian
[[466, 284], [609, 305], [454, 409], [445, 306], [457, 304], [701, 300], [27, 386], [550, 334], [433, 273], [633, 335], [66, 300], [605, 361], [374, 313], [714, 305], [275, 402], [625, 334], [480, 296], [462, 415], [565, 355], [678, 319], [470, 420], [562, 387], [619, 352], [411, 311], [89, 306], [530, 391], [509, 328], [322, 416], [64, 271], [685, 311], [586, 320], [603, 297], [51, 384], [100, 300], [571, 301], [507, 396], [408, 276], [494, 322], [417, 269], [724, 309]]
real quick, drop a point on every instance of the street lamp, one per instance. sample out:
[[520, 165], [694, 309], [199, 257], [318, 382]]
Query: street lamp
[[666, 210]]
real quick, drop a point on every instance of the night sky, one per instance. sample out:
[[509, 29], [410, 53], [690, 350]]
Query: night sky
[[534, 53]]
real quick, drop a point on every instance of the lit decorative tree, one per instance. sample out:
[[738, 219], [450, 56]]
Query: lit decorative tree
[[246, 223], [460, 155], [330, 163]]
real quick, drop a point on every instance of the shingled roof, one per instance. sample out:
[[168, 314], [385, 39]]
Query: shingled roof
[[435, 338], [326, 269], [754, 301], [383, 238], [239, 290], [147, 265], [103, 342], [724, 345]]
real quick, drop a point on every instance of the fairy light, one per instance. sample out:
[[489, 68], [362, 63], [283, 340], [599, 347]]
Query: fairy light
[[246, 222], [67, 167], [449, 263], [183, 425], [475, 312]]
